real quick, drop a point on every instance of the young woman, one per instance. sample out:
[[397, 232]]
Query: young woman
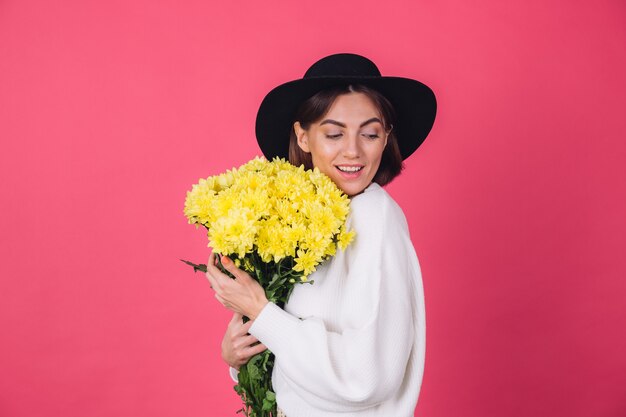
[[352, 344]]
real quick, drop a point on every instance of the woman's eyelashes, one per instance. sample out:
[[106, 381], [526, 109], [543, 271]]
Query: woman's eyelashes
[[367, 135]]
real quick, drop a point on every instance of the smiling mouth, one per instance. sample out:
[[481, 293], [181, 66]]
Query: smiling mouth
[[349, 168]]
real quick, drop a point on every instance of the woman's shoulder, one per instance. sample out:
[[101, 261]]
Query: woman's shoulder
[[375, 207]]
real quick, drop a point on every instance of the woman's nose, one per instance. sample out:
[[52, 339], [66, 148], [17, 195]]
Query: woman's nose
[[351, 147]]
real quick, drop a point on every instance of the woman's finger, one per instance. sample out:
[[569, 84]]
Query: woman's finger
[[232, 268], [253, 350], [211, 279], [209, 274], [211, 263], [248, 340], [218, 277], [237, 318], [244, 342], [246, 326], [221, 300], [242, 328]]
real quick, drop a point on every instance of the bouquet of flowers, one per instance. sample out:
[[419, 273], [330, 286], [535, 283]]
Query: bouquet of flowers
[[277, 222]]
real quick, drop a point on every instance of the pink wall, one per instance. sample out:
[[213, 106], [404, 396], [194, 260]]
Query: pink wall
[[110, 110]]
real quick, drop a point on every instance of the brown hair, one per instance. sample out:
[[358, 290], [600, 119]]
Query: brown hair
[[314, 108]]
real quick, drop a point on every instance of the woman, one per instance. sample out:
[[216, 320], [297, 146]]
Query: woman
[[353, 343]]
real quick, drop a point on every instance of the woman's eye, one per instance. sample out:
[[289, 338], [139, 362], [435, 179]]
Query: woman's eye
[[371, 135], [333, 136]]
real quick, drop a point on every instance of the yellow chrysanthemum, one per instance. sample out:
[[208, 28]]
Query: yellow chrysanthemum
[[269, 243], [272, 209], [234, 233], [323, 220], [306, 261], [345, 238]]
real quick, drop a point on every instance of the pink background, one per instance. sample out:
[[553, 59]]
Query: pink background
[[110, 110]]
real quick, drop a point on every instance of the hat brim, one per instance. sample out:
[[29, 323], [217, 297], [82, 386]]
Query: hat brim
[[414, 103]]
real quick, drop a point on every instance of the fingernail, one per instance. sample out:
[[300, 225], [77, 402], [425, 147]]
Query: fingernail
[[225, 260]]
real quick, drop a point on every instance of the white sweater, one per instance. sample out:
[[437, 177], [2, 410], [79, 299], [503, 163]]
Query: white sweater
[[353, 343]]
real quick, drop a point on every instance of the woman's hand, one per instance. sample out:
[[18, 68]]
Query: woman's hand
[[242, 295], [237, 344]]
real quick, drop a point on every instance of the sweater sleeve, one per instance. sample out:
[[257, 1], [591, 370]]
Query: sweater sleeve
[[234, 374], [360, 366]]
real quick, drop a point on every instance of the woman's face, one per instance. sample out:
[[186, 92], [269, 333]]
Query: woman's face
[[347, 143]]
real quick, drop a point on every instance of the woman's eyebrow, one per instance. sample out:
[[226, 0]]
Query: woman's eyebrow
[[332, 122], [335, 122], [372, 120]]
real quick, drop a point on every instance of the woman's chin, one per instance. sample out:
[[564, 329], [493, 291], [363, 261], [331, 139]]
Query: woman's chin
[[353, 189]]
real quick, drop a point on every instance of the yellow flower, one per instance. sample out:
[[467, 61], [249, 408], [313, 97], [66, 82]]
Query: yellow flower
[[345, 238], [199, 202], [291, 236], [258, 164], [273, 209], [226, 179], [234, 233], [270, 243], [315, 243], [323, 219], [331, 249], [305, 262]]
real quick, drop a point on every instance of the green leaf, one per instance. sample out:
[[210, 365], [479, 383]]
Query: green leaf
[[253, 371], [196, 267], [267, 405], [270, 395], [275, 281]]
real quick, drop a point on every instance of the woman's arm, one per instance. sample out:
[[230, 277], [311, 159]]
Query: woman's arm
[[351, 370], [362, 365]]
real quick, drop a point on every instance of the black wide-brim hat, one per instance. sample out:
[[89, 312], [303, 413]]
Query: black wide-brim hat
[[414, 103]]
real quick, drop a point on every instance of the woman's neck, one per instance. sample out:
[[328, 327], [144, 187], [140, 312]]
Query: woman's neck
[[360, 192]]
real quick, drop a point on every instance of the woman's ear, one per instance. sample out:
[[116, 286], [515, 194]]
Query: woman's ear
[[302, 137]]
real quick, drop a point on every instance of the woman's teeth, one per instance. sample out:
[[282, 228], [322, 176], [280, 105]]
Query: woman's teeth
[[349, 169]]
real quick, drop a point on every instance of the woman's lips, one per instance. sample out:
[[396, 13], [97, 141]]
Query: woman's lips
[[351, 171]]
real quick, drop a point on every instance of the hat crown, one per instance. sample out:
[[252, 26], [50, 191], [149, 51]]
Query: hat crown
[[343, 65]]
